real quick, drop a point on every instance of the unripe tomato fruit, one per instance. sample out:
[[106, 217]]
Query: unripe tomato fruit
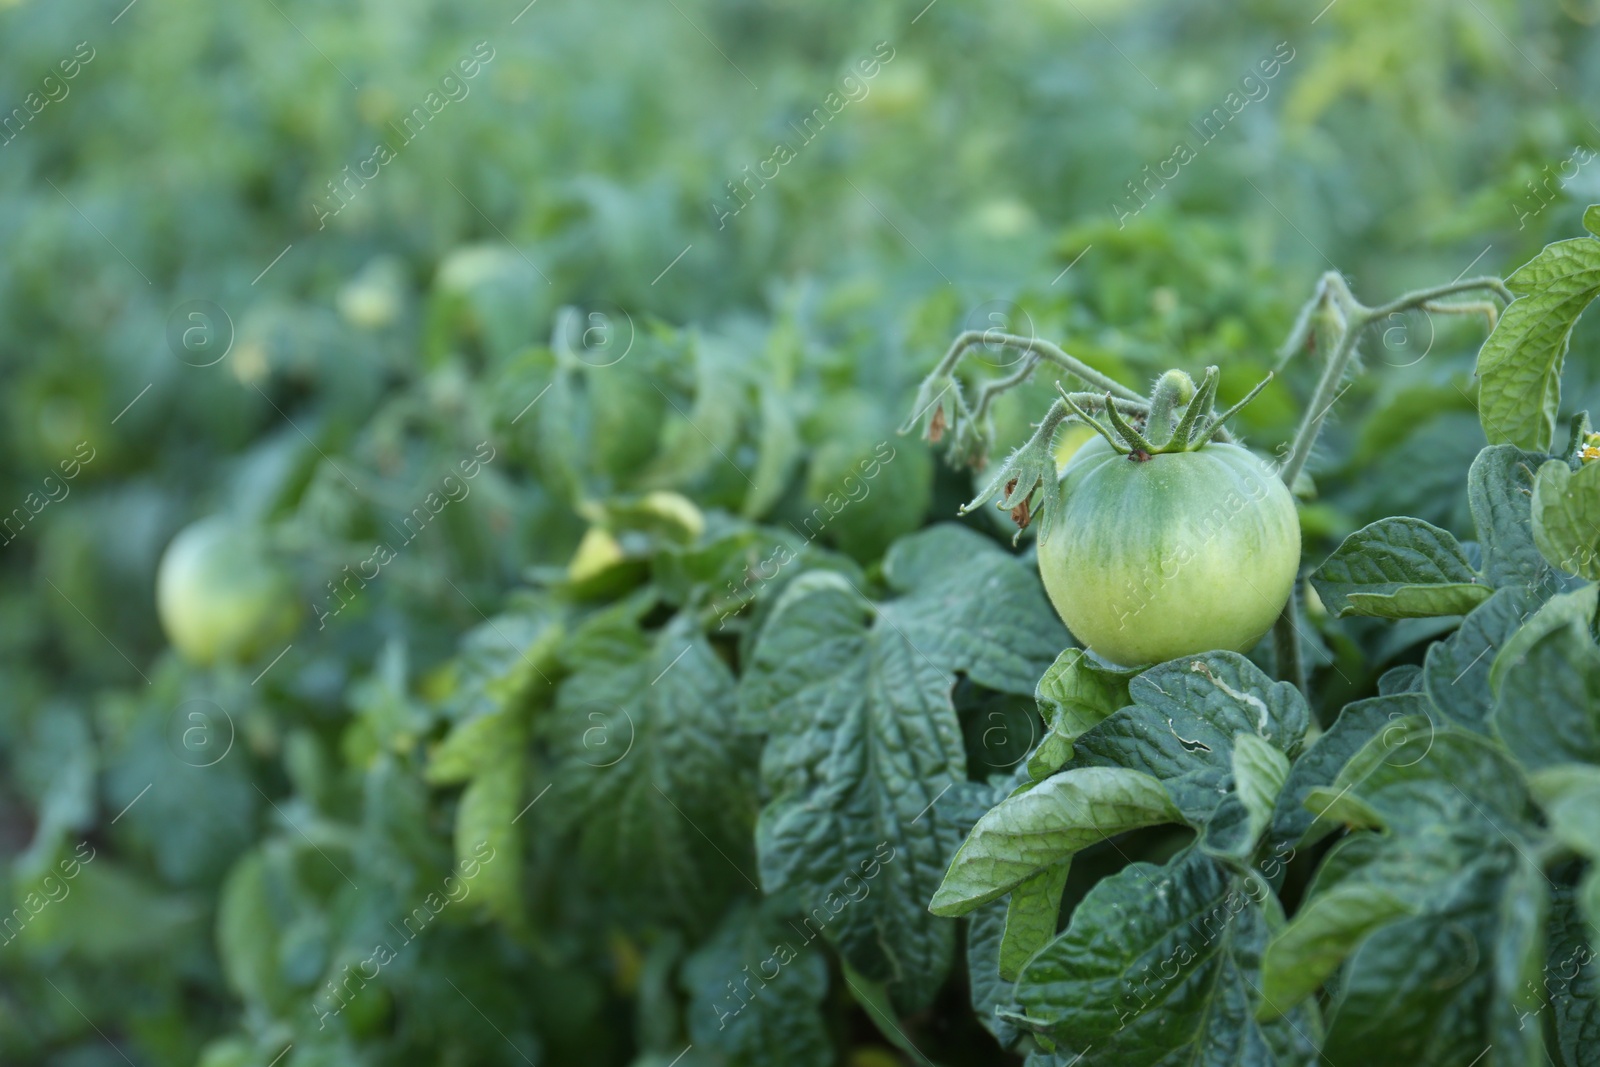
[[219, 595], [1182, 552]]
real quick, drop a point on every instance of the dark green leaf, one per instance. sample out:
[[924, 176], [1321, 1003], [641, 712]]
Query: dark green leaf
[[1567, 993], [1435, 920], [989, 987], [864, 739], [1499, 488], [1456, 673], [1162, 965], [652, 775], [1398, 569], [1043, 826], [972, 605], [1181, 725], [756, 990], [1322, 763], [1577, 606], [1548, 708]]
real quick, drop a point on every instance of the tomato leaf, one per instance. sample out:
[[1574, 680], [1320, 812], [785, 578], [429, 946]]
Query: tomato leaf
[[1260, 772], [651, 773], [1160, 962], [1043, 826], [1576, 606], [1075, 694], [1031, 913], [991, 990], [1569, 795], [1456, 670], [1499, 490], [487, 815], [1435, 921], [1182, 722], [250, 913], [504, 665], [756, 988], [701, 434], [1566, 517], [1324, 760], [1399, 568], [855, 696], [1568, 992], [1548, 707], [1519, 366]]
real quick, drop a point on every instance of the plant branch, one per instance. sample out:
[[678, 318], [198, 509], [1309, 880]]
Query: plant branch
[[1038, 347], [1347, 317], [1350, 318]]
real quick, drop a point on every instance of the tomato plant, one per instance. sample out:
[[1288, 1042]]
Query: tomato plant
[[464, 598]]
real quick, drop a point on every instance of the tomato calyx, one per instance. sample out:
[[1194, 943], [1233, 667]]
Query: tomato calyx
[[1180, 419]]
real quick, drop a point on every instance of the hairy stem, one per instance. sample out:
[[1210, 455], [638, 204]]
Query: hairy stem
[[1041, 348], [1355, 317], [991, 389], [1350, 317], [1418, 297]]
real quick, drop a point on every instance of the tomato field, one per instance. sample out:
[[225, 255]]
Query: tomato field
[[721, 534]]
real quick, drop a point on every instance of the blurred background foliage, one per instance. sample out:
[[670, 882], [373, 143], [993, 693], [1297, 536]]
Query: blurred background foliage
[[767, 356]]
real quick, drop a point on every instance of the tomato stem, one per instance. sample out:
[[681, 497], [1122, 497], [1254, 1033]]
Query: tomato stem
[[1040, 348], [1334, 306], [1348, 318]]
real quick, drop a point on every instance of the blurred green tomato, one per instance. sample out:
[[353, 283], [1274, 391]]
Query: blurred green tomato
[[219, 594]]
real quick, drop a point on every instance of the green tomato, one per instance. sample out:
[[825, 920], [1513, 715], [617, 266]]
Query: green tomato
[[220, 596], [1180, 553]]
